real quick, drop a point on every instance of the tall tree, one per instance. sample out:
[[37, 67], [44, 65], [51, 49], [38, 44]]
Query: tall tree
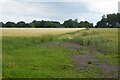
[[10, 24], [1, 24], [21, 24], [35, 24], [71, 23], [85, 24], [110, 21]]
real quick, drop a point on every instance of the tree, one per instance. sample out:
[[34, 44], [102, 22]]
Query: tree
[[55, 24], [10, 24], [118, 19], [85, 24], [21, 24], [1, 24], [27, 25], [35, 24], [71, 23], [110, 21], [43, 24], [32, 25]]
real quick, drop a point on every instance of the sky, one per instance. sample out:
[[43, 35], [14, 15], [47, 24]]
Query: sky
[[56, 10]]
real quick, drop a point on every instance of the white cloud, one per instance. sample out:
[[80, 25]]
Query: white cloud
[[104, 6], [25, 11], [28, 10]]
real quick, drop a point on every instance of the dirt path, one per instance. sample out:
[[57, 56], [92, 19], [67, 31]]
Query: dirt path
[[81, 61], [69, 45]]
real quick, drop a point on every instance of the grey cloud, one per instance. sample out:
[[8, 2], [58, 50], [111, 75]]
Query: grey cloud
[[28, 10]]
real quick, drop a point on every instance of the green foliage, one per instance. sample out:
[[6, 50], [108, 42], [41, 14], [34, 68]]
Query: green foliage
[[20, 24], [70, 23], [45, 24], [109, 21], [1, 24], [74, 24], [49, 24], [85, 24], [9, 24]]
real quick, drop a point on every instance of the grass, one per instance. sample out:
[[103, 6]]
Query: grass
[[42, 56], [111, 59], [105, 40], [91, 72], [42, 62]]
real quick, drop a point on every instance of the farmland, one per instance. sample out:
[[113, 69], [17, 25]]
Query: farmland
[[60, 53], [27, 32]]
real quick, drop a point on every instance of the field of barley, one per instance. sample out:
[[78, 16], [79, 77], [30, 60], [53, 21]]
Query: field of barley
[[27, 32], [60, 53]]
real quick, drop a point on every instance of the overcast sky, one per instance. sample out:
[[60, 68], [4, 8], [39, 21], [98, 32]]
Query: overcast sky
[[56, 10]]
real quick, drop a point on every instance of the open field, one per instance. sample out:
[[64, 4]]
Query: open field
[[72, 53], [27, 32]]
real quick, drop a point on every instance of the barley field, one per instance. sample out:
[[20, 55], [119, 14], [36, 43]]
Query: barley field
[[60, 53], [27, 32]]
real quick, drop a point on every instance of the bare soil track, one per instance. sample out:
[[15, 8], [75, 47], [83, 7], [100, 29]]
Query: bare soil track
[[83, 61]]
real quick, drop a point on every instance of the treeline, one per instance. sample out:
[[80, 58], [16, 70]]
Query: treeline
[[48, 24], [107, 21]]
